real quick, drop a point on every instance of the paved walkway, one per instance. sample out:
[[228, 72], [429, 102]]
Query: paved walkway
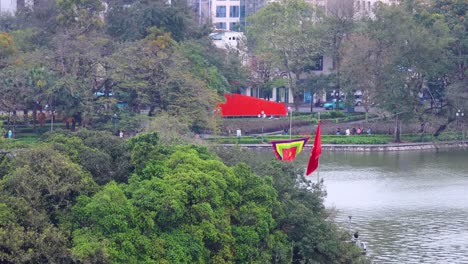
[[373, 147]]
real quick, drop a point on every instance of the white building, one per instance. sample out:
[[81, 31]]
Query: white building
[[366, 7], [8, 6], [226, 14], [11, 6], [227, 39]]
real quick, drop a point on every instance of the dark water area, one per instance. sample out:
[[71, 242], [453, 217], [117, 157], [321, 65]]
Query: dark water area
[[410, 207]]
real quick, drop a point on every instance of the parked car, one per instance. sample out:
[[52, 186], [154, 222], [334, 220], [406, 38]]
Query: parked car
[[332, 105]]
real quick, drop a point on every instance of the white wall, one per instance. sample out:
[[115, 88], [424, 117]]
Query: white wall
[[8, 6], [228, 19]]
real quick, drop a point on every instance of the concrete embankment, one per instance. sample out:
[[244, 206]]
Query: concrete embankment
[[371, 147]]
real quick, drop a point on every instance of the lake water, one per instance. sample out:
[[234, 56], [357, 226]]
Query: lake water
[[410, 207]]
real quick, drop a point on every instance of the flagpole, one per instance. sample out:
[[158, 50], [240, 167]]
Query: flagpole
[[290, 122], [318, 169]]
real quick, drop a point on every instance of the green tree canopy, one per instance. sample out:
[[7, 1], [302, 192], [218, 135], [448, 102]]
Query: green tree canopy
[[288, 33]]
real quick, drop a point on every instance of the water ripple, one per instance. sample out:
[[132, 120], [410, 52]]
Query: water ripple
[[409, 208], [406, 237]]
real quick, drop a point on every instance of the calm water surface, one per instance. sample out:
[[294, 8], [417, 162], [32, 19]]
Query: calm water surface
[[410, 207]]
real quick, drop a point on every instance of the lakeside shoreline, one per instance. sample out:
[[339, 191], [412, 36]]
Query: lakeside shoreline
[[460, 144]]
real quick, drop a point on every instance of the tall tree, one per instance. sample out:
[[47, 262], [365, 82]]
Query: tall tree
[[454, 13], [289, 34], [156, 70], [401, 55], [7, 48], [453, 84], [130, 20], [339, 23]]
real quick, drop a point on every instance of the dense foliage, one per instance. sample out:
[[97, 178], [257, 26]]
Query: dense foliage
[[409, 59], [89, 197], [92, 198], [100, 63]]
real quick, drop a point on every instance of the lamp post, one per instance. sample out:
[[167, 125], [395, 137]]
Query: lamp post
[[52, 116], [290, 112], [51, 109], [115, 120], [262, 115], [349, 227], [460, 114]]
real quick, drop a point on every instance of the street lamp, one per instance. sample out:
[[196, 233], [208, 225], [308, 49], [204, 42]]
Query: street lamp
[[290, 121], [460, 114], [115, 120], [262, 115], [47, 107]]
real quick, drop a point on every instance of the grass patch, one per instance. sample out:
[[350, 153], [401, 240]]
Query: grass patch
[[12, 143], [326, 139]]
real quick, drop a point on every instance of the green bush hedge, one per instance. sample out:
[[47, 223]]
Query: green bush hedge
[[336, 139], [447, 136]]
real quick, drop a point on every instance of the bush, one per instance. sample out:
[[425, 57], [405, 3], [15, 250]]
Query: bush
[[428, 137]]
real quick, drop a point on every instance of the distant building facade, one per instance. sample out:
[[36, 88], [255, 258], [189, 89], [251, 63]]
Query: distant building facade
[[367, 7], [11, 6], [8, 6]]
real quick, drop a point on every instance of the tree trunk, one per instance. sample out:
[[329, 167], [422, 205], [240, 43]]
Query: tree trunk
[[311, 101], [34, 117], [461, 64], [25, 117], [397, 130], [151, 110]]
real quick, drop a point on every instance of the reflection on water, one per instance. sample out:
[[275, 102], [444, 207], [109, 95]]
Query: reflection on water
[[411, 207]]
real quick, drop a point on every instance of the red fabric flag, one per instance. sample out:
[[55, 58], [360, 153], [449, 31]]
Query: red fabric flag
[[315, 153]]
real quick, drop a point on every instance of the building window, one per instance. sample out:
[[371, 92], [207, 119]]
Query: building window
[[220, 25], [234, 26], [234, 11], [221, 11], [368, 4], [358, 6], [316, 64]]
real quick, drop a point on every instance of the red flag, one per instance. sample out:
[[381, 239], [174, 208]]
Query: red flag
[[289, 154], [315, 153]]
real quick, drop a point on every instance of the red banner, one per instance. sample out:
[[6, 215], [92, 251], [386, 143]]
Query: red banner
[[243, 105]]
